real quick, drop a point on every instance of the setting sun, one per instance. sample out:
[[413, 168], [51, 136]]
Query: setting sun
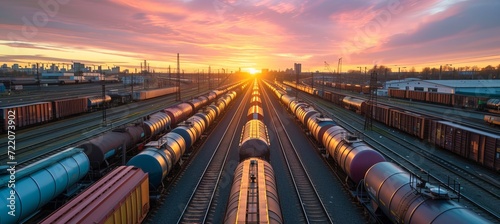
[[253, 71]]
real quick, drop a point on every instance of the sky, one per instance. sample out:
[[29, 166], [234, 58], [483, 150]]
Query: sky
[[251, 34]]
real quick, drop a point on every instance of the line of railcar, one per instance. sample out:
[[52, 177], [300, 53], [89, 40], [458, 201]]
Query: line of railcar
[[41, 182], [30, 114], [160, 157], [470, 143], [398, 198], [448, 99], [254, 197]]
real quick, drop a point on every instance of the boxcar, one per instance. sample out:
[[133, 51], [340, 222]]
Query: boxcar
[[68, 107], [416, 95], [380, 113], [397, 93], [476, 145], [337, 98], [122, 196], [439, 98], [411, 123], [327, 96], [26, 114]]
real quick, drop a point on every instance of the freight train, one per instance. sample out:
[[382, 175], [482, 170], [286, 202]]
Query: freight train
[[389, 188], [30, 114], [448, 99], [483, 146], [159, 157], [42, 181], [254, 196]]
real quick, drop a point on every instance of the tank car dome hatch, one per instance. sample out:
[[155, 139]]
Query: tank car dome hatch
[[438, 191], [349, 138]]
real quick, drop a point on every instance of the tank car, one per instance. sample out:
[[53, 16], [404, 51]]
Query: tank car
[[156, 123], [40, 182], [492, 119], [103, 147], [352, 154], [354, 104], [255, 100], [191, 129], [493, 105], [407, 200], [160, 156], [255, 112], [97, 101], [254, 196], [122, 196], [179, 112], [254, 141], [304, 112]]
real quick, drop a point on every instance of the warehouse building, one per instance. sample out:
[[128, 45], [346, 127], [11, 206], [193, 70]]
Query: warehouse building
[[464, 87]]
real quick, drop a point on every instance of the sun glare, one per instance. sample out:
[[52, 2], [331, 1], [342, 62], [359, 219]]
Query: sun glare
[[253, 71]]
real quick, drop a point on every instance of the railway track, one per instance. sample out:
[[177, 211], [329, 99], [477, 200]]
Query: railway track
[[452, 114], [312, 206], [36, 141], [30, 95], [408, 152], [202, 200]]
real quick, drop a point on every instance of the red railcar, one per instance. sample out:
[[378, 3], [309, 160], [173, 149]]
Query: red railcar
[[328, 96], [380, 113], [122, 196], [411, 123], [337, 98], [416, 95], [476, 145], [26, 114], [397, 93], [68, 107], [439, 98]]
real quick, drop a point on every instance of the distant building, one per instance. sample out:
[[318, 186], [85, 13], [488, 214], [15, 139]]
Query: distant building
[[465, 87], [78, 67], [15, 67], [298, 68], [115, 70], [54, 68]]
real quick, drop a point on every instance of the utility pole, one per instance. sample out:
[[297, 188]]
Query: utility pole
[[373, 101], [339, 69], [38, 75], [178, 95], [209, 86], [104, 105]]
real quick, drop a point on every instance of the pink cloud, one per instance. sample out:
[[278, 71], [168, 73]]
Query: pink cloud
[[270, 33]]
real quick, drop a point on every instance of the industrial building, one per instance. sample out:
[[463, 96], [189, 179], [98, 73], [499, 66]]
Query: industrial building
[[464, 87]]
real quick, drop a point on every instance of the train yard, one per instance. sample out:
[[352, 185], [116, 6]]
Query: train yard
[[252, 152]]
